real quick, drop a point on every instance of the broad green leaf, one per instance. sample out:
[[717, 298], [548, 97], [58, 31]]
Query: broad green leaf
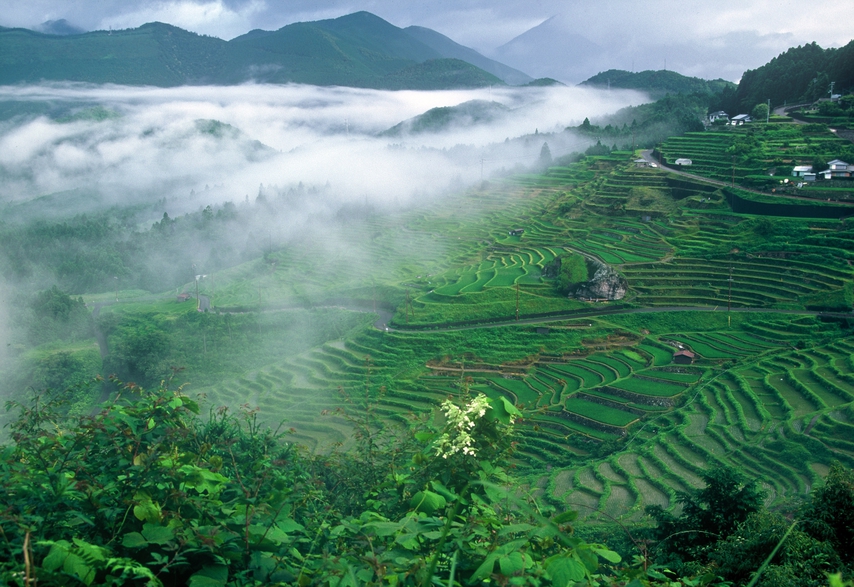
[[210, 576], [564, 571], [485, 569], [440, 488], [146, 510], [511, 564], [427, 502], [56, 556], [289, 525], [565, 517], [608, 555], [157, 534], [503, 411], [134, 540]]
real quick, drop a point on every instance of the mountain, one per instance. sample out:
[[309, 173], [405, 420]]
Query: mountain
[[656, 83], [154, 54], [59, 27], [448, 48], [359, 49], [463, 115], [549, 50]]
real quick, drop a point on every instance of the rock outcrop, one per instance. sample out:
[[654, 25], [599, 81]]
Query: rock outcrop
[[606, 284]]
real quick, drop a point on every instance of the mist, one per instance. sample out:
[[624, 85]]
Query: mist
[[146, 142]]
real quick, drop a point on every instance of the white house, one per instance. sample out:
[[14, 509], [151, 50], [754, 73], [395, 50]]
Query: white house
[[837, 169], [740, 119], [719, 115], [683, 161]]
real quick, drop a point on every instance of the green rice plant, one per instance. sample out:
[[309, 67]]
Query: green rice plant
[[599, 413], [649, 387]]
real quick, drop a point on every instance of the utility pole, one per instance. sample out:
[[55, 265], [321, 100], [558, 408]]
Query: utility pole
[[768, 114], [733, 171], [729, 301]]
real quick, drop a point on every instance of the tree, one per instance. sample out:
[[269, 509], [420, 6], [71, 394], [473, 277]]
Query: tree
[[801, 561], [572, 273], [759, 112], [545, 156], [708, 515], [829, 514]]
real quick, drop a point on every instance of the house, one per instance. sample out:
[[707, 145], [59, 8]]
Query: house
[[801, 170], [641, 163], [838, 169], [683, 161], [740, 119], [184, 297], [516, 232], [719, 115], [683, 357]]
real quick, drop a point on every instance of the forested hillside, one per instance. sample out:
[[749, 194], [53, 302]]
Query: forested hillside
[[801, 74]]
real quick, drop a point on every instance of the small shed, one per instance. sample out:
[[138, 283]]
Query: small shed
[[184, 297], [683, 357], [516, 232], [683, 161], [740, 119], [641, 163], [801, 170]]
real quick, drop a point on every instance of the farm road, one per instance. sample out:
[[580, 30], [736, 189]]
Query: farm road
[[647, 156], [612, 311]]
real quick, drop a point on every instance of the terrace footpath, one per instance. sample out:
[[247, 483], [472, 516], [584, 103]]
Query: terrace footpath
[[381, 325], [646, 154]]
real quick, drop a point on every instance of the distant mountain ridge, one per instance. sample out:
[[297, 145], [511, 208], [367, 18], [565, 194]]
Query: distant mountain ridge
[[360, 50]]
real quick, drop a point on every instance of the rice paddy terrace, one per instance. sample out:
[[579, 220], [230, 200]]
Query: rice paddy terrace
[[618, 418]]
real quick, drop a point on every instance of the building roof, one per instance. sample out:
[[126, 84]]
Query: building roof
[[684, 353], [801, 168], [741, 117], [837, 162]]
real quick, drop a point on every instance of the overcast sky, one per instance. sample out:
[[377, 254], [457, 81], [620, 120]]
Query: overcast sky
[[745, 32]]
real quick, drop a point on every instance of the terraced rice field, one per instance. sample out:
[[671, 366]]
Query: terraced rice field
[[614, 425]]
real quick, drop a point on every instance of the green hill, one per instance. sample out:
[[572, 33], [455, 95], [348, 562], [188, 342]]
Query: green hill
[[656, 83], [359, 50], [466, 114]]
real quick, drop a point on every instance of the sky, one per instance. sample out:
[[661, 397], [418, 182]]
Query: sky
[[712, 39]]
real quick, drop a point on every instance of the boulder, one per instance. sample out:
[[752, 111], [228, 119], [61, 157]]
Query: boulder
[[606, 284]]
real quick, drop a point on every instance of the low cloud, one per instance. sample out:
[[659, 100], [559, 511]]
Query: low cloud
[[147, 142]]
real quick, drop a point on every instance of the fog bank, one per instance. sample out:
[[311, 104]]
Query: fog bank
[[131, 142]]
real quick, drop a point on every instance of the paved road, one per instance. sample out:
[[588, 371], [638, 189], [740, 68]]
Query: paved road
[[647, 155]]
